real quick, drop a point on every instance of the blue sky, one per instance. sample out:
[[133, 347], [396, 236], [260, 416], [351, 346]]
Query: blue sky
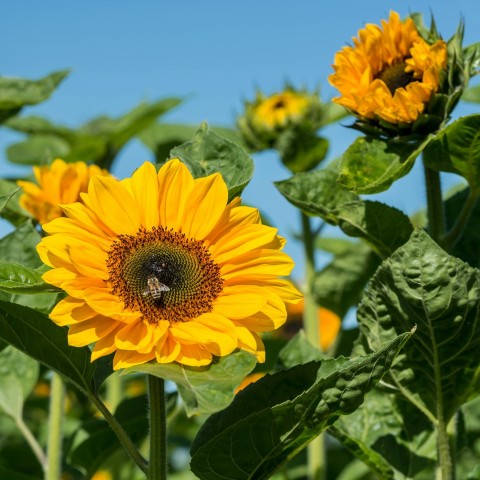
[[214, 53]]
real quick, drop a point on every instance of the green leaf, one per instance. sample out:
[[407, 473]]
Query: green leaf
[[390, 435], [371, 165], [332, 113], [18, 92], [36, 335], [37, 149], [457, 149], [209, 153], [102, 442], [98, 141], [472, 94], [423, 285], [18, 376], [20, 246], [316, 193], [339, 285], [468, 246], [299, 351], [204, 390], [9, 206], [277, 416], [162, 137], [17, 278]]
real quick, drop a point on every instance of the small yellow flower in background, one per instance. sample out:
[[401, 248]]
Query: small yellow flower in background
[[390, 73], [329, 323], [42, 389], [268, 118], [58, 183], [158, 267], [279, 109], [102, 475]]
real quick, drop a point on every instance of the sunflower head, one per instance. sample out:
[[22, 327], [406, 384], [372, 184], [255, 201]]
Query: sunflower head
[[159, 267], [268, 118], [395, 77], [58, 183]]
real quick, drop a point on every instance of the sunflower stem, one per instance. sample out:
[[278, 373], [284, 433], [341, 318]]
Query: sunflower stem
[[55, 421], [435, 212], [157, 469], [122, 436], [317, 468]]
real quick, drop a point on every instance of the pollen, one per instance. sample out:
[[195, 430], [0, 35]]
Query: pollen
[[163, 274]]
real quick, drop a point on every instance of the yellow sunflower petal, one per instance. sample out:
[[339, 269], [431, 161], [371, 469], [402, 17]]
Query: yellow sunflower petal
[[126, 359], [175, 183], [205, 206], [113, 204], [89, 331], [194, 356], [167, 349], [135, 336]]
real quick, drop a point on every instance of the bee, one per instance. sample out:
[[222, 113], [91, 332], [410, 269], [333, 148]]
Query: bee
[[155, 287]]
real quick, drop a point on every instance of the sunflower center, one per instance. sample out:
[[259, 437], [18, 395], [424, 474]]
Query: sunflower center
[[394, 76], [164, 274], [280, 103]]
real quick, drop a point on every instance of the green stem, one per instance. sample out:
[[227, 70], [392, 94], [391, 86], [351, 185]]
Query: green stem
[[435, 213], [122, 436], [55, 421], [317, 468], [445, 462], [158, 429], [32, 441], [452, 237]]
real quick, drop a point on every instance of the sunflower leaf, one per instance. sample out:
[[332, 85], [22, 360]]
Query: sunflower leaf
[[9, 206], [457, 149], [209, 153], [161, 138], [98, 141], [271, 420], [316, 193], [38, 149], [17, 278], [35, 334], [371, 165], [20, 246], [204, 390], [339, 285], [16, 93], [18, 376], [421, 284], [102, 442], [396, 441]]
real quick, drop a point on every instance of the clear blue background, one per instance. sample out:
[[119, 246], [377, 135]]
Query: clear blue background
[[215, 53]]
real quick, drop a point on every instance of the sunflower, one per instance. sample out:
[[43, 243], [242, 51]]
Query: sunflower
[[58, 183], [158, 267], [279, 109], [390, 73]]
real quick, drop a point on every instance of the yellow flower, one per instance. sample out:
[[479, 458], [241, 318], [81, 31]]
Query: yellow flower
[[279, 109], [102, 475], [329, 323], [58, 183], [390, 73], [158, 267]]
